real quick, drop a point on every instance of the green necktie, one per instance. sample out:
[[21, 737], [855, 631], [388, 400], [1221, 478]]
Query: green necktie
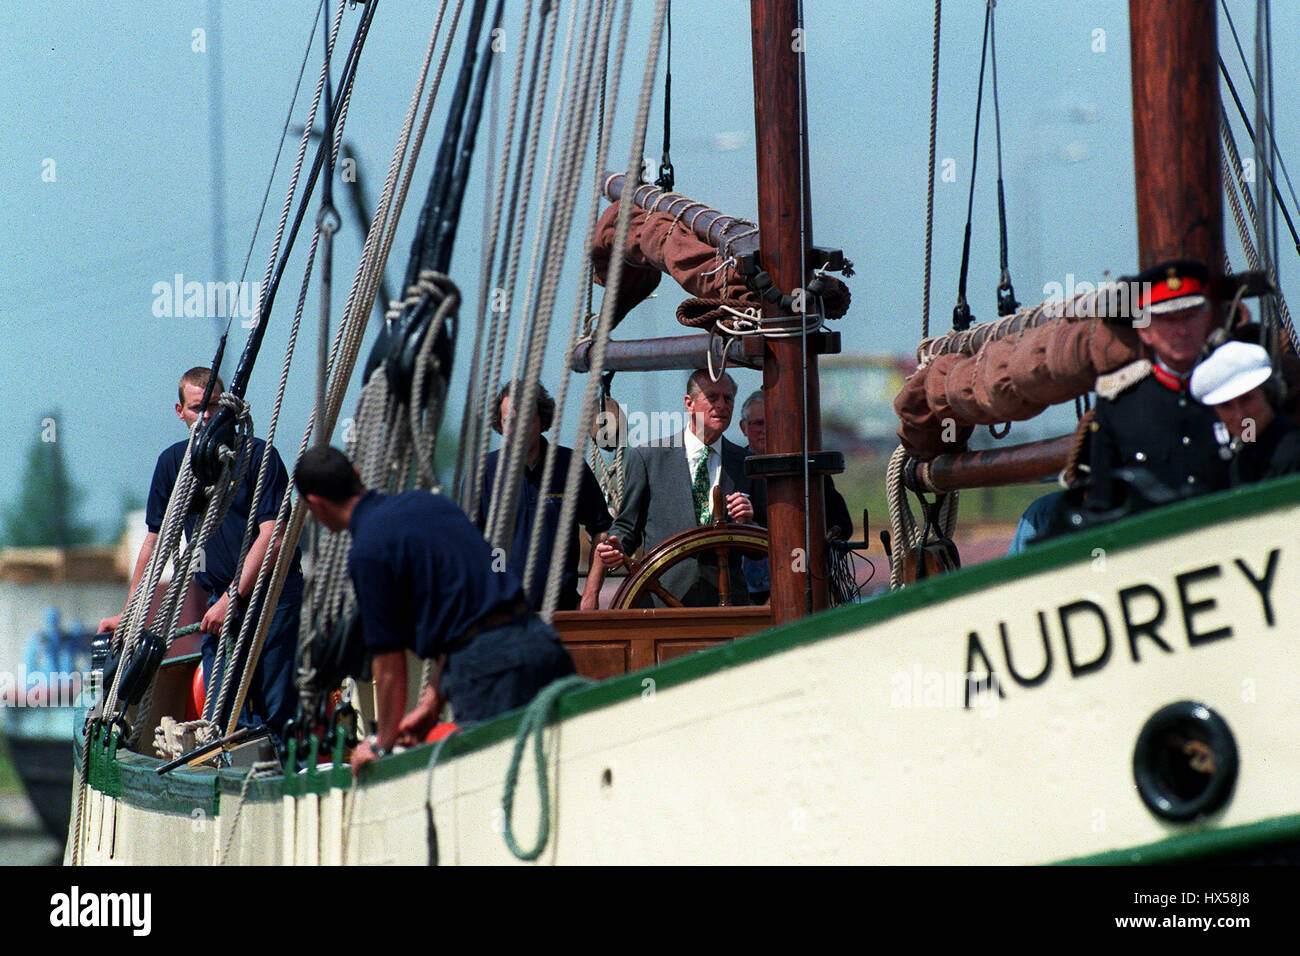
[[701, 486]]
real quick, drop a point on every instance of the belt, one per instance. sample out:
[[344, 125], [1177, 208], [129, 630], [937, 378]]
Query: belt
[[498, 616]]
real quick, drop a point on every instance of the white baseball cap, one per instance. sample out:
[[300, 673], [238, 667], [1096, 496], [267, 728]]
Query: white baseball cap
[[1231, 371]]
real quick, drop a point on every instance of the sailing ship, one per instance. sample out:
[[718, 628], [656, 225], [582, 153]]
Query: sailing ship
[[1116, 695]]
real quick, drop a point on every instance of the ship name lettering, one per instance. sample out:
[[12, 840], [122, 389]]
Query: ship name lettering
[[1082, 636]]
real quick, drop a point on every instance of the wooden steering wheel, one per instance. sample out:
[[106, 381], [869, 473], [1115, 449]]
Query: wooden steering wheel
[[720, 537]]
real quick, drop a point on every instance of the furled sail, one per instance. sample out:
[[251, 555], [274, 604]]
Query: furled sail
[[664, 243], [1008, 370]]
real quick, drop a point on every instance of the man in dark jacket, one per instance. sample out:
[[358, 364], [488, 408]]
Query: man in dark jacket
[[425, 583], [592, 511], [668, 489], [273, 694], [1146, 419]]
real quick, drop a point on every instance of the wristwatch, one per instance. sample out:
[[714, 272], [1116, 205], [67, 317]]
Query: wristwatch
[[373, 743]]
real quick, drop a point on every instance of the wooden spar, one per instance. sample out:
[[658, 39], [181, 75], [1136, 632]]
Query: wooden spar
[[996, 467], [1176, 131], [790, 388], [709, 225], [678, 352]]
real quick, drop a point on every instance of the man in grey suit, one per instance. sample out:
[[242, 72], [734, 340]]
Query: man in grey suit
[[668, 489]]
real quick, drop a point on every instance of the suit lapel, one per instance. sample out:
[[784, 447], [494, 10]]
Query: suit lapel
[[728, 458], [678, 478]]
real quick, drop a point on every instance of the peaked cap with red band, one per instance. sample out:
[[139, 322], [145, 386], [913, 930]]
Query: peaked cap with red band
[[1173, 287]]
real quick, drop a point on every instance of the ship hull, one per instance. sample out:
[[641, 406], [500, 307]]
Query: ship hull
[[869, 734]]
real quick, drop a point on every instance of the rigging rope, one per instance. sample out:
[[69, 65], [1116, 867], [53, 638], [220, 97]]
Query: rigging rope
[[1265, 157], [253, 627], [929, 196], [1266, 172], [580, 115], [568, 503], [961, 314], [666, 179], [505, 497], [474, 420], [1246, 66], [1007, 303]]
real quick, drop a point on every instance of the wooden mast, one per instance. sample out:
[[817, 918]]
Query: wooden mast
[[785, 230], [1176, 131]]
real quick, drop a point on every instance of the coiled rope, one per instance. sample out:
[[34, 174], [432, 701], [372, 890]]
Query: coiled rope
[[533, 722]]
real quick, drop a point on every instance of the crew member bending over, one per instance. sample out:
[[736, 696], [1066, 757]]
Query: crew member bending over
[[425, 583]]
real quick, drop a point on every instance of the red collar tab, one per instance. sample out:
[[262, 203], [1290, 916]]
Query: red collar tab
[[1168, 379]]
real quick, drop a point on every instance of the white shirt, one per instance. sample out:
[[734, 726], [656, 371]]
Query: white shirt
[[694, 449]]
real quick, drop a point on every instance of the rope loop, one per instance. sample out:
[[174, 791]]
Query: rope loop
[[534, 720]]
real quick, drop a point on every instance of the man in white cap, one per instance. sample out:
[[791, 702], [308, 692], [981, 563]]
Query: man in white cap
[[1237, 380]]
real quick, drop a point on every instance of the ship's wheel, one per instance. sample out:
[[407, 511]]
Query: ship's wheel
[[721, 539]]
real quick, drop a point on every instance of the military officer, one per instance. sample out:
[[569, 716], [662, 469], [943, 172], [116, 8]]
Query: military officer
[[1146, 417]]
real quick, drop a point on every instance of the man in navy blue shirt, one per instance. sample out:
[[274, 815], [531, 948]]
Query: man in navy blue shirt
[[425, 583], [592, 512], [273, 696]]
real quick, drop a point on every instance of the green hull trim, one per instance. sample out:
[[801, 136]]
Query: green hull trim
[[134, 779], [1198, 845]]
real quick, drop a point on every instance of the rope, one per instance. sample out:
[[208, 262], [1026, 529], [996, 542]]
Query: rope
[[252, 629], [929, 197], [508, 275], [1085, 305], [666, 176], [74, 859], [961, 318], [328, 594], [1246, 66], [904, 533], [263, 768], [534, 720], [279, 149], [473, 425], [902, 523], [1075, 456], [252, 528], [591, 396], [1006, 294], [581, 108], [568, 503], [505, 498], [1230, 163], [169, 737], [298, 162], [1230, 160]]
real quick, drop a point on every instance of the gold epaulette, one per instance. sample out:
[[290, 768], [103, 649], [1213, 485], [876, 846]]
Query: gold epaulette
[[1111, 384]]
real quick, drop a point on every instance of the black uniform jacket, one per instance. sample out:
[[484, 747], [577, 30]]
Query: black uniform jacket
[[1276, 452], [1166, 431]]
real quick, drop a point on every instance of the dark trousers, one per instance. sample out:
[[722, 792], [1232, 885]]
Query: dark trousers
[[273, 694], [503, 668]]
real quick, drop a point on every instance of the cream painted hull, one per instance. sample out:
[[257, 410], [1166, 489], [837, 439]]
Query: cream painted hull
[[857, 746]]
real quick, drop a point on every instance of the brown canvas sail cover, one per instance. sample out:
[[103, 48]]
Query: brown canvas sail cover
[[659, 243], [1006, 379]]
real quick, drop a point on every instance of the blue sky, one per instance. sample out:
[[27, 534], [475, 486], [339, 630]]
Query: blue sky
[[118, 98]]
